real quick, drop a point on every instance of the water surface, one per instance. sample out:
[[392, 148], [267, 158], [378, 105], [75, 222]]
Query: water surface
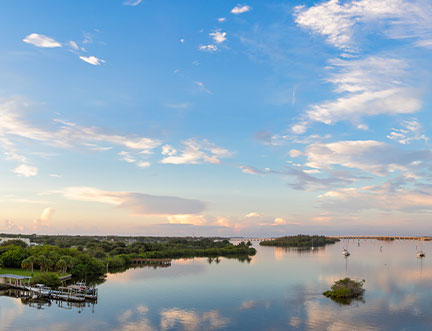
[[278, 289]]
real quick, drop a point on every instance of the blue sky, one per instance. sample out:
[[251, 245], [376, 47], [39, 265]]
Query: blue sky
[[215, 117]]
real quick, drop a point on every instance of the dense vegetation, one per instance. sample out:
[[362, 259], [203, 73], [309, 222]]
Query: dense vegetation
[[345, 290], [94, 255], [302, 241]]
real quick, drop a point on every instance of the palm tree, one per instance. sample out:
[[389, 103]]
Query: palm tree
[[69, 261], [42, 261], [28, 263], [61, 266], [25, 264]]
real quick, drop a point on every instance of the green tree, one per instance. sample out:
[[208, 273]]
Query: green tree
[[28, 263], [61, 265]]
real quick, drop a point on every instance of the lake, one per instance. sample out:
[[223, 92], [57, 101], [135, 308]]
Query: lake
[[278, 289]]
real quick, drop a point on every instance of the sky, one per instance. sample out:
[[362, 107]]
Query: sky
[[257, 118]]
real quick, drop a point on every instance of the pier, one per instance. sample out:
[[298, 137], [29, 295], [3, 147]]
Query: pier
[[72, 293], [419, 238], [341, 237]]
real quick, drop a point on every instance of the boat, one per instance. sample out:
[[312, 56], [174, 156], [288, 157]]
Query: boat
[[87, 291], [421, 254]]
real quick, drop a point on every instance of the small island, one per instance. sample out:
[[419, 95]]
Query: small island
[[345, 290], [300, 241]]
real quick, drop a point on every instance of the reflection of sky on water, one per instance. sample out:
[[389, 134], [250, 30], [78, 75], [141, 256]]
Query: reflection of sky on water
[[280, 289]]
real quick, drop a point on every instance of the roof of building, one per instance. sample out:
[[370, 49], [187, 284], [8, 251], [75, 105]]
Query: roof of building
[[14, 276]]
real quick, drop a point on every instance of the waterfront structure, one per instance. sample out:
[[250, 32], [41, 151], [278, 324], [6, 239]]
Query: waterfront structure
[[14, 280]]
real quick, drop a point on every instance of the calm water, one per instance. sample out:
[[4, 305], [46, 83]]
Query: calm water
[[278, 290]]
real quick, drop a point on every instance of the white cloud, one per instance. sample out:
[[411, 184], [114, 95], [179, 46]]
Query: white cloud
[[26, 170], [202, 87], [92, 60], [218, 36], [383, 197], [253, 214], [208, 48], [340, 21], [223, 221], [221, 19], [411, 130], [369, 87], [295, 153], [187, 219], [13, 128], [39, 40], [239, 9], [143, 164], [196, 152], [371, 156], [250, 170], [73, 45], [279, 221], [299, 128], [136, 203], [132, 2], [11, 226], [168, 150], [67, 135], [44, 221]]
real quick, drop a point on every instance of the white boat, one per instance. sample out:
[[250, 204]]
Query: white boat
[[421, 254], [345, 252]]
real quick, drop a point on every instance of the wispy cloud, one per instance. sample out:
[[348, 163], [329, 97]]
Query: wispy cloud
[[240, 9], [208, 48], [368, 87], [92, 60], [13, 127], [411, 130], [202, 87], [40, 40], [195, 152], [136, 203], [132, 2], [339, 22], [43, 41]]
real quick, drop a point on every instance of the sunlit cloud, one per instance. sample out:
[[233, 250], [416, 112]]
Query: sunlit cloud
[[136, 203], [44, 220], [26, 170], [195, 152], [92, 60], [239, 9], [340, 22], [40, 40], [187, 219], [368, 87]]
